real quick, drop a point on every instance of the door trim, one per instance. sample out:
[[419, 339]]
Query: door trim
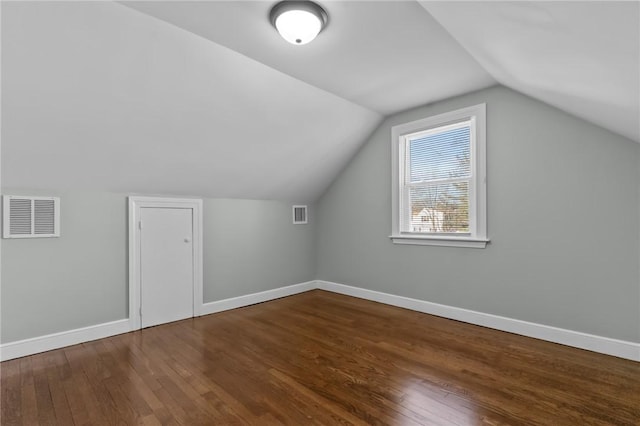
[[135, 204]]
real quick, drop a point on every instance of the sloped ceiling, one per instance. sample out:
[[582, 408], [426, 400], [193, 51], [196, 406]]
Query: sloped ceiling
[[580, 56], [204, 98], [98, 96], [386, 56]]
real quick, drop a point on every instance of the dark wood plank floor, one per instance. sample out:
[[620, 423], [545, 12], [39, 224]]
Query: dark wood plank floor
[[320, 358]]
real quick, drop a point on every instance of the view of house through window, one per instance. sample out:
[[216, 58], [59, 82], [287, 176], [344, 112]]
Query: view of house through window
[[437, 180]]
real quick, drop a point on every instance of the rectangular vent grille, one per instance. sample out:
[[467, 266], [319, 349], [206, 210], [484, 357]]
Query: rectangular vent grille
[[30, 217], [20, 216], [299, 215], [44, 215]]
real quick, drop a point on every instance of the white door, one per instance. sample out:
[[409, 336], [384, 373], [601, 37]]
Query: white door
[[166, 265]]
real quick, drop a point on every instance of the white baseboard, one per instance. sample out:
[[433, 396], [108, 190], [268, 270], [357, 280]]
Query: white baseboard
[[49, 342], [252, 299], [59, 340], [605, 345]]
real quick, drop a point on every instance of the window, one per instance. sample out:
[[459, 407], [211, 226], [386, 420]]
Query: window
[[439, 180]]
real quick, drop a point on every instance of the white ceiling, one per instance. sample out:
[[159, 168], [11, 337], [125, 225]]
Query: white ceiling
[[204, 98], [98, 96], [582, 56], [384, 55]]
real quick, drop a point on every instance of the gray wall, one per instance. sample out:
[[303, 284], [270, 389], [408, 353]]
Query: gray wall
[[80, 279], [564, 219], [252, 246], [563, 210]]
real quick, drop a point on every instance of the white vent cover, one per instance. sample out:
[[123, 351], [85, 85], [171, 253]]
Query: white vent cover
[[30, 217], [299, 215]]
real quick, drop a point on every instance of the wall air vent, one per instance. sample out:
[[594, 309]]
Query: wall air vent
[[299, 215], [30, 217]]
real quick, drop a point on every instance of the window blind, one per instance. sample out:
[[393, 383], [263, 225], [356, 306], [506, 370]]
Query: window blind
[[437, 180]]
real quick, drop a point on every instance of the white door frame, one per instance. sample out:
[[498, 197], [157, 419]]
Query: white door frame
[[135, 204]]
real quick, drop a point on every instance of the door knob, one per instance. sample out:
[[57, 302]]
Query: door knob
[[186, 240]]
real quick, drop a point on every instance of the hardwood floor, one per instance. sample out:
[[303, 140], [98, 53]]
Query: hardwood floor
[[320, 358]]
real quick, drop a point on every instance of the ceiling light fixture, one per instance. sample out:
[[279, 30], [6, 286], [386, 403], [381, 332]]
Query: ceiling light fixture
[[298, 22]]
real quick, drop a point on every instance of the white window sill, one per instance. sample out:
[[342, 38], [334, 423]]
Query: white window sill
[[422, 240]]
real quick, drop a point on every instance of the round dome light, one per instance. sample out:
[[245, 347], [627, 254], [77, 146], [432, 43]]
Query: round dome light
[[298, 22]]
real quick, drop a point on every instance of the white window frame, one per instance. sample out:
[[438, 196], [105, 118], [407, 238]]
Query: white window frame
[[477, 237]]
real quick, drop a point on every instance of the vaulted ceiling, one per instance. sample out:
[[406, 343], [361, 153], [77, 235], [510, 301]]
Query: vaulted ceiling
[[582, 57], [204, 98]]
